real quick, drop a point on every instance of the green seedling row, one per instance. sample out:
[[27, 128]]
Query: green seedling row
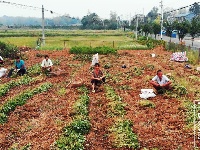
[[123, 136], [116, 106], [121, 133], [4, 88], [20, 100], [73, 134]]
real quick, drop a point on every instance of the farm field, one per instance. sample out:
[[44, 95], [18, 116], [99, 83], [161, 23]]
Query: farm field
[[163, 122], [62, 39]]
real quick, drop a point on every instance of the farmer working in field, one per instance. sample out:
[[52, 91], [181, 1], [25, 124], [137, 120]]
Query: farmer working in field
[[97, 76], [46, 64], [19, 67], [161, 82]]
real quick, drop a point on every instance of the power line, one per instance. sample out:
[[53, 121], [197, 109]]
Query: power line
[[181, 8], [28, 6]]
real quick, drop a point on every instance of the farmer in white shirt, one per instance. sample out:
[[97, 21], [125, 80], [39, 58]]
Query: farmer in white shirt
[[46, 64], [161, 82]]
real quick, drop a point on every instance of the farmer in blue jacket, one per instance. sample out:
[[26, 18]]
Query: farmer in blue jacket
[[19, 67]]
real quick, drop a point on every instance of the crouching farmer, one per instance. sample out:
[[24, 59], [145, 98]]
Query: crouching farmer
[[161, 82], [97, 77], [19, 67], [46, 64]]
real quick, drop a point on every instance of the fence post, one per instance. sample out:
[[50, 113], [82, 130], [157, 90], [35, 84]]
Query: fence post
[[189, 48], [199, 54], [64, 45], [113, 44]]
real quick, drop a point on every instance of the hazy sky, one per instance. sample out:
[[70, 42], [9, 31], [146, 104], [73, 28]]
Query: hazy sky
[[80, 8]]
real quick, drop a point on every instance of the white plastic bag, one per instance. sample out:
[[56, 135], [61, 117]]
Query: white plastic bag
[[146, 93], [3, 72], [95, 59]]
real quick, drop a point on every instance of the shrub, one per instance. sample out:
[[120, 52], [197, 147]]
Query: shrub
[[151, 43], [90, 50], [8, 50]]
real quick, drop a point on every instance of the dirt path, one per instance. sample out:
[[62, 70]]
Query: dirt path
[[97, 138]]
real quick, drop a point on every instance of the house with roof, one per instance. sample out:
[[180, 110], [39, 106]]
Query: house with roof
[[186, 16]]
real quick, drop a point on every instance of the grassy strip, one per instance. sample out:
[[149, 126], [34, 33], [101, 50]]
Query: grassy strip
[[90, 50], [134, 46], [73, 134], [122, 135], [121, 132], [20, 100], [116, 106], [4, 88]]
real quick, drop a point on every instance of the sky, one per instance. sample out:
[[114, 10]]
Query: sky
[[79, 8]]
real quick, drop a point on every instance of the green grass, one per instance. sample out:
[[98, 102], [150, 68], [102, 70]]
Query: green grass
[[193, 56], [21, 41], [60, 39]]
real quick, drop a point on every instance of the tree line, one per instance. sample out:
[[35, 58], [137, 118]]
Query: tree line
[[151, 23]]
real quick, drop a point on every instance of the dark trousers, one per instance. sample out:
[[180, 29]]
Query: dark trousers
[[21, 72], [161, 90], [98, 82]]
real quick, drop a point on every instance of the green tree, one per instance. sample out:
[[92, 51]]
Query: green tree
[[147, 29], [183, 28], [168, 27], [152, 15], [156, 28], [194, 28], [113, 21], [92, 21]]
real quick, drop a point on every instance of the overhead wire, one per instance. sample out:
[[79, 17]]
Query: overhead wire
[[33, 7], [180, 8]]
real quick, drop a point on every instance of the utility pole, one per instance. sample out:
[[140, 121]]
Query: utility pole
[[43, 36], [161, 19], [136, 27]]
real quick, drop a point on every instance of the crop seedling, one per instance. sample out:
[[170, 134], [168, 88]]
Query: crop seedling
[[107, 66], [56, 62], [149, 67], [73, 134], [20, 100], [122, 135], [62, 91], [83, 57], [146, 103], [4, 88]]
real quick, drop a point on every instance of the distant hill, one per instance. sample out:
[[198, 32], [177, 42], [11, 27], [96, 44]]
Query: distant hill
[[33, 21]]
